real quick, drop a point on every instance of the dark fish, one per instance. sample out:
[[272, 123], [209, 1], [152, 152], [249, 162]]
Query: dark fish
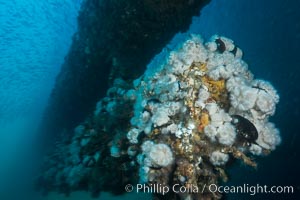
[[246, 131], [220, 45], [234, 51]]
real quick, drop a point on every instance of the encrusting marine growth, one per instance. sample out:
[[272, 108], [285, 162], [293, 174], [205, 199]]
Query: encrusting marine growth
[[179, 123]]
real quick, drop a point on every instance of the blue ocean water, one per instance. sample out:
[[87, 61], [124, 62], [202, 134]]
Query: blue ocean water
[[35, 37]]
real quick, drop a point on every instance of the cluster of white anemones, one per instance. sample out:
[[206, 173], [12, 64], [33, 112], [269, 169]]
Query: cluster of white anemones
[[153, 155], [160, 95]]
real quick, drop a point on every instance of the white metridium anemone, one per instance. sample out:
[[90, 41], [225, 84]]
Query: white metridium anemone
[[235, 81], [226, 134], [145, 116], [160, 117], [267, 87], [230, 68], [212, 108], [194, 51], [265, 102], [218, 72], [268, 136], [267, 97], [238, 68], [178, 67], [172, 128], [173, 107], [160, 155], [211, 46], [146, 146], [218, 118], [203, 94], [211, 132], [132, 135], [215, 60], [218, 158], [224, 73], [243, 97], [255, 149]]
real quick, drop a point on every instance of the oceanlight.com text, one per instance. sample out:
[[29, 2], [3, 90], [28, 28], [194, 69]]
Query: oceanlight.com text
[[213, 188]]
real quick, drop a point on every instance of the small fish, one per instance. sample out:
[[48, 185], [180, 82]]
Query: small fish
[[246, 131], [220, 45]]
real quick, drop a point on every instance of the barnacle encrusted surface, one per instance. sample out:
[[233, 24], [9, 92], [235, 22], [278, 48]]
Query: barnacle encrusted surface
[[179, 123], [205, 105]]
